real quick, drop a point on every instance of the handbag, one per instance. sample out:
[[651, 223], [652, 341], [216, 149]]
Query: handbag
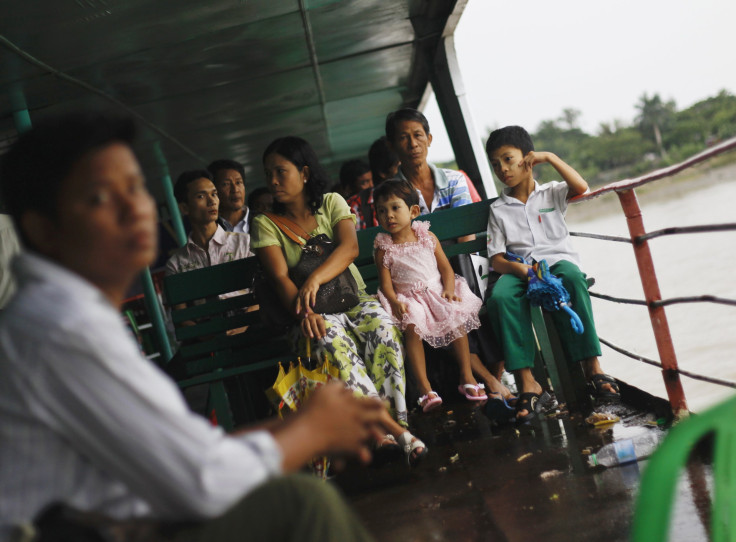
[[337, 295]]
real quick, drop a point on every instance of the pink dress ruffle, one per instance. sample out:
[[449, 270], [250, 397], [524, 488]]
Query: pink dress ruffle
[[417, 282]]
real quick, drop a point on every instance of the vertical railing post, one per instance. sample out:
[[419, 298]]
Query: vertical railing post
[[657, 315], [149, 291], [171, 203], [21, 116], [153, 307]]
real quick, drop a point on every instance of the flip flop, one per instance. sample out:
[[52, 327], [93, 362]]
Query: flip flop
[[477, 387], [533, 403], [597, 390], [430, 401], [498, 409]]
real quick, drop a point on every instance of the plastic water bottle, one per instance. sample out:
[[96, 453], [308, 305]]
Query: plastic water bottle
[[626, 450]]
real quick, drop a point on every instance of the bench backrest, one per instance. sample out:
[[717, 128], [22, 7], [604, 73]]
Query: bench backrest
[[205, 345]]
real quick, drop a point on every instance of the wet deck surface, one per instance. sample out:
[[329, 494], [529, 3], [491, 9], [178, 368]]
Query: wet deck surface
[[509, 483]]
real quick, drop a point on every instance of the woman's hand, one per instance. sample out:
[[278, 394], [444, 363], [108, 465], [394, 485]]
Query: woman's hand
[[307, 296], [313, 326], [450, 295]]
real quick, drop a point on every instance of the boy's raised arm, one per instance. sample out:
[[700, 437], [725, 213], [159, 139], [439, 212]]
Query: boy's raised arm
[[575, 182]]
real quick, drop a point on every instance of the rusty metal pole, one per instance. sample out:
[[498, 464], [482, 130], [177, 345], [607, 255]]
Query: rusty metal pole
[[649, 282]]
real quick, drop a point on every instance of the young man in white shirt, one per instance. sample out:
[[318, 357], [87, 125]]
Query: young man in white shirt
[[85, 420], [208, 243]]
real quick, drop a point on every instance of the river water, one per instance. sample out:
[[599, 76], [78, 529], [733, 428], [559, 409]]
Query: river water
[[704, 334]]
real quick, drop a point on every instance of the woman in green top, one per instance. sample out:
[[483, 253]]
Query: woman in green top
[[362, 342]]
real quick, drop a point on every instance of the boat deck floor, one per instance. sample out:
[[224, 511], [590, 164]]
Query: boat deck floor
[[482, 482]]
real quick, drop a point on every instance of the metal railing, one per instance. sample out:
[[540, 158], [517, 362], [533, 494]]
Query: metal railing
[[639, 239]]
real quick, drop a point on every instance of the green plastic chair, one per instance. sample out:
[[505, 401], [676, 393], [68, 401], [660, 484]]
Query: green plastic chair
[[659, 481]]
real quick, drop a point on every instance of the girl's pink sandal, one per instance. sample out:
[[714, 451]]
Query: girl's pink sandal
[[462, 388], [430, 401]]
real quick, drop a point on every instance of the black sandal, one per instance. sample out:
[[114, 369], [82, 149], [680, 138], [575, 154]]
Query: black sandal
[[597, 390], [533, 403]]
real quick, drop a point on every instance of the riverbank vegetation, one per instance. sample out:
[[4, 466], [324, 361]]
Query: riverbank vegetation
[[660, 135]]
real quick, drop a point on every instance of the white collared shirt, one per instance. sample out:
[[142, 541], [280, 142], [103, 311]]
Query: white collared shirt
[[239, 227], [86, 420], [535, 230], [223, 247]]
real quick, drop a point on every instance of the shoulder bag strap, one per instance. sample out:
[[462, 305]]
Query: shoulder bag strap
[[290, 228]]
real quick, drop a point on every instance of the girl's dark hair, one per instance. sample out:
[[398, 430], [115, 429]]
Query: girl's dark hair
[[401, 188], [381, 159], [300, 153], [514, 136]]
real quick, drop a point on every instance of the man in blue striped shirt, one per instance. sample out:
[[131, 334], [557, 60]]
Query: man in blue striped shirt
[[407, 131]]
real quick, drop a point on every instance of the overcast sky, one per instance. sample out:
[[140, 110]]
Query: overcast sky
[[524, 62]]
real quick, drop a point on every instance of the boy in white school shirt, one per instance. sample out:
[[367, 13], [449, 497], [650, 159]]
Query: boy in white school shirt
[[85, 420], [528, 219]]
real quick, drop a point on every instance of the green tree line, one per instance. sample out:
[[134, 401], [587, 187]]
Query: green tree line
[[659, 136]]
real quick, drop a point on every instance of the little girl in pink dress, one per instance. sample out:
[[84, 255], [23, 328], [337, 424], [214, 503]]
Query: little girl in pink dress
[[419, 288]]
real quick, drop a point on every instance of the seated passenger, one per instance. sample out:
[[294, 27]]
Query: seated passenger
[[208, 243], [407, 132], [512, 156], [384, 165], [85, 419], [442, 310], [355, 175], [229, 178], [260, 201], [362, 342]]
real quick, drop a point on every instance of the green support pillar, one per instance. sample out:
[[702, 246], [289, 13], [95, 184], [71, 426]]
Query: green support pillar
[[171, 203], [21, 117], [153, 307]]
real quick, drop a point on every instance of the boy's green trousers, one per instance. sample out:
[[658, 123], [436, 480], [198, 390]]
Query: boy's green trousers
[[510, 316]]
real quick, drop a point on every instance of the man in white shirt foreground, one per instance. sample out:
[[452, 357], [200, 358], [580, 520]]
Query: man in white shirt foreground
[[85, 419]]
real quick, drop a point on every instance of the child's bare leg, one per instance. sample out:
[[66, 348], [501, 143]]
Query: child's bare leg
[[462, 355], [417, 362], [491, 381]]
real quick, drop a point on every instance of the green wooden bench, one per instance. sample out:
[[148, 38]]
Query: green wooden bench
[[209, 356]]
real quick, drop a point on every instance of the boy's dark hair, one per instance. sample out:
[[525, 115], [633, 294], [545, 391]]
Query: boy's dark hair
[[34, 169], [395, 117], [401, 188], [381, 158], [351, 170], [300, 153], [224, 163], [514, 136], [255, 194], [185, 179]]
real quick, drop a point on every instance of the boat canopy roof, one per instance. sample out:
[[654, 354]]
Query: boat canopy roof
[[221, 79]]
